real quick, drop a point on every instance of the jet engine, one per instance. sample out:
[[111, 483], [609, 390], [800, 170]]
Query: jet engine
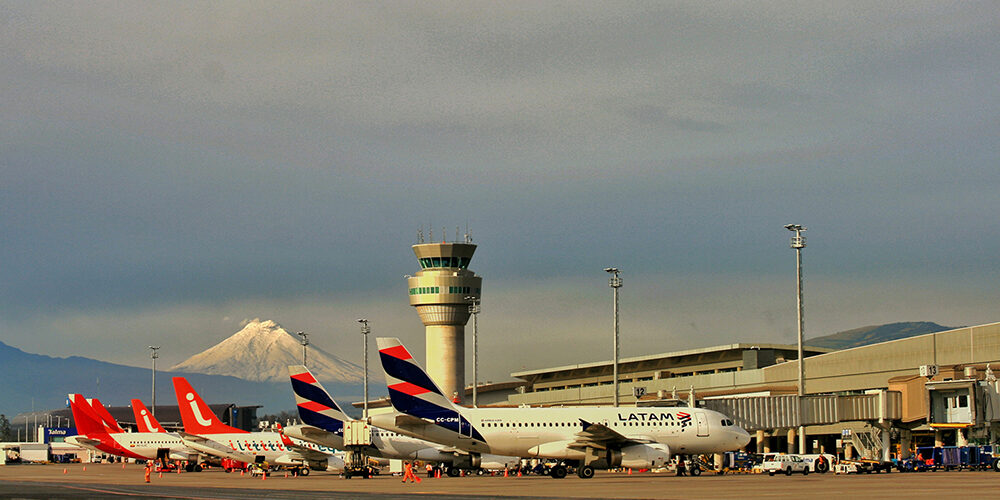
[[645, 455], [470, 461]]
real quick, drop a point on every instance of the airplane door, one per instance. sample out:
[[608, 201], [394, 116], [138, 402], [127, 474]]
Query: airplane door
[[464, 427], [702, 423]]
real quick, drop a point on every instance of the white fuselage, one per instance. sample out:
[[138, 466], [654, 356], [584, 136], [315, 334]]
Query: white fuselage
[[149, 444], [247, 446], [548, 432], [390, 444]]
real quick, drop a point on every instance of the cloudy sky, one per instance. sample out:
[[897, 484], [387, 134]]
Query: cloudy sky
[[170, 170]]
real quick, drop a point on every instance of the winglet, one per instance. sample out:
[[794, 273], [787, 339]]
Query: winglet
[[145, 420], [315, 406], [195, 414]]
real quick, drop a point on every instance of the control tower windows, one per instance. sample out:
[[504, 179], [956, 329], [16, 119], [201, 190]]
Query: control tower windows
[[420, 290], [434, 262]]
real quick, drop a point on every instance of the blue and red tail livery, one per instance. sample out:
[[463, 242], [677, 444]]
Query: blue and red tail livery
[[315, 406], [414, 393]]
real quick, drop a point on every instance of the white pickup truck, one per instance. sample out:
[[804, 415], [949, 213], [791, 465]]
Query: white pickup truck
[[784, 463]]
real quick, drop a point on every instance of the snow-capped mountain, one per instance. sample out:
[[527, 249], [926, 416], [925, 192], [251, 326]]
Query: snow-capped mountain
[[262, 351]]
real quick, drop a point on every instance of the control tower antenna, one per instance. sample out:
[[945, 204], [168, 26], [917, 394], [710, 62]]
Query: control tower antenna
[[440, 292]]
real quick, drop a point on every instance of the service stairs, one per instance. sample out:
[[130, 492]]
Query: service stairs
[[867, 442]]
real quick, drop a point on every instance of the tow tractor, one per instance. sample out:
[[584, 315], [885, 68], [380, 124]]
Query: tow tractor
[[862, 466]]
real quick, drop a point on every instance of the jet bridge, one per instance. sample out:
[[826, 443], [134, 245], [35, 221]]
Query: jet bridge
[[778, 412], [877, 409]]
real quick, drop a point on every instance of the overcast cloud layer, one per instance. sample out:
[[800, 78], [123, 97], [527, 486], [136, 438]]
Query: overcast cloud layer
[[168, 170]]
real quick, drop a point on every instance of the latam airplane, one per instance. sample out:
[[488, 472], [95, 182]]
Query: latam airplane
[[324, 425], [590, 437], [204, 432], [96, 433]]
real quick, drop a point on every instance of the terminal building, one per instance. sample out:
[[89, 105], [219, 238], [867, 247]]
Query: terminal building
[[876, 400]]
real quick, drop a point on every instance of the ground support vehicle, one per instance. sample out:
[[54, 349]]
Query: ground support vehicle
[[786, 464], [229, 465], [819, 466], [862, 466]]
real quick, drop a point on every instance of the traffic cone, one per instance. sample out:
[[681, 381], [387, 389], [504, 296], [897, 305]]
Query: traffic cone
[[64, 471], [84, 468], [418, 479], [263, 477], [505, 473], [630, 471], [518, 472], [241, 472]]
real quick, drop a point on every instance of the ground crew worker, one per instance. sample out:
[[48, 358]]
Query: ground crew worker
[[149, 469], [408, 468]]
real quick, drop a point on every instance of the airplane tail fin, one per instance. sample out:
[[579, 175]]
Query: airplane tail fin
[[195, 414], [86, 421], [315, 406], [105, 415], [411, 391], [144, 419]]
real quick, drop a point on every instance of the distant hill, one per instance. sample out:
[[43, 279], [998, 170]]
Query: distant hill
[[874, 334], [46, 380]]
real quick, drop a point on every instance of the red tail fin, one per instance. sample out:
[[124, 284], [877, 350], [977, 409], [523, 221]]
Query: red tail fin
[[196, 415], [105, 415], [144, 419], [86, 421]]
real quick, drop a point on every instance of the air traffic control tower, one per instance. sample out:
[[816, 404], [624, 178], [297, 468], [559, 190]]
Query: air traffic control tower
[[439, 292]]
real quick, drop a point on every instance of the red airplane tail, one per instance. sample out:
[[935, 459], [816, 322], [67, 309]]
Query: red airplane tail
[[196, 415], [86, 421], [105, 415], [144, 419]]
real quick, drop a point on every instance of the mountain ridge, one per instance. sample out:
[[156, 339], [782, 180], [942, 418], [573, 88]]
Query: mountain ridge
[[873, 334], [261, 352], [42, 382]]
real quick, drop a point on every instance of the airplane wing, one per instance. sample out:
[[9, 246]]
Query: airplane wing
[[310, 432], [308, 453], [214, 448], [87, 442], [596, 435]]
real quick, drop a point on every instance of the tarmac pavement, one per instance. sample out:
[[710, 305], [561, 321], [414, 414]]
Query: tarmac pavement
[[115, 481]]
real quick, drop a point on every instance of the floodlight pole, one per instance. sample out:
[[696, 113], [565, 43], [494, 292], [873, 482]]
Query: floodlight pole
[[305, 343], [615, 283], [154, 354], [474, 310], [365, 330], [798, 243]]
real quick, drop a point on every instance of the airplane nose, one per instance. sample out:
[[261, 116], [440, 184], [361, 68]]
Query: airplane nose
[[744, 438]]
